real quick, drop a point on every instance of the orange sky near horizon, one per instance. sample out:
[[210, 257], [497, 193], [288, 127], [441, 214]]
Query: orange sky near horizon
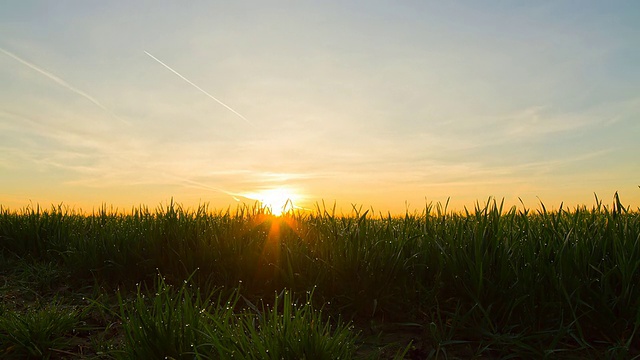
[[378, 104]]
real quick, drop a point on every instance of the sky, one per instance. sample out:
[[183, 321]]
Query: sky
[[387, 105]]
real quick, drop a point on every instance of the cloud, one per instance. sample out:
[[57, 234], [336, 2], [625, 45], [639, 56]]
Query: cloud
[[62, 83]]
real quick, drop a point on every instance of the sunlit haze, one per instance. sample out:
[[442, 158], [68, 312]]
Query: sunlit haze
[[383, 104]]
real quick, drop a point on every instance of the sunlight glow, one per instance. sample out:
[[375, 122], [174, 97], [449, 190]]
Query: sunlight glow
[[278, 200]]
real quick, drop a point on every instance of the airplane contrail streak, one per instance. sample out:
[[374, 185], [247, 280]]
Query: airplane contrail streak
[[199, 88], [203, 186], [62, 83]]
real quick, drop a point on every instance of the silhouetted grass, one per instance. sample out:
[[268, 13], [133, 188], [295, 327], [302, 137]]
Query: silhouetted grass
[[489, 281]]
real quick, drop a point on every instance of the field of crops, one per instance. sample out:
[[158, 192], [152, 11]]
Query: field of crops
[[181, 283]]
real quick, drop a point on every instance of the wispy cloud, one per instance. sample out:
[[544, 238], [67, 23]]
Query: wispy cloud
[[62, 83], [539, 121]]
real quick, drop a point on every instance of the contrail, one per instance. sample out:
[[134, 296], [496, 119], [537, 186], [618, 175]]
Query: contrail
[[62, 83], [199, 88], [203, 186]]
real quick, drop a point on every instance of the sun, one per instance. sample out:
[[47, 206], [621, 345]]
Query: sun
[[278, 200]]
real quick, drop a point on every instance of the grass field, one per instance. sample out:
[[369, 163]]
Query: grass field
[[181, 283]]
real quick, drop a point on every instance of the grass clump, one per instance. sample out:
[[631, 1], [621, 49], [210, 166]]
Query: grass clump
[[291, 330], [180, 324], [164, 323], [43, 333]]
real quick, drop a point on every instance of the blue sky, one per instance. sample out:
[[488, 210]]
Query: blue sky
[[378, 103]]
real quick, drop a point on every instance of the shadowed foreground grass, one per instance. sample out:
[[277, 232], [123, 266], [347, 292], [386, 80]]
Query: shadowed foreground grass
[[192, 283]]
